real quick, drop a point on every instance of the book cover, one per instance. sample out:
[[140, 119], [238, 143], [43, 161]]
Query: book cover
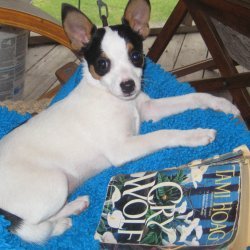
[[194, 205]]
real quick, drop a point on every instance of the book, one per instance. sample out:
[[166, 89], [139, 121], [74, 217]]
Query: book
[[203, 205]]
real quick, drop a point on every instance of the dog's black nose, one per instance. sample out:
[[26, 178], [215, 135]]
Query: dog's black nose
[[128, 87]]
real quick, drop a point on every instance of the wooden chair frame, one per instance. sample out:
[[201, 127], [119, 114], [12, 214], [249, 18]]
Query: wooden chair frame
[[233, 13], [23, 15]]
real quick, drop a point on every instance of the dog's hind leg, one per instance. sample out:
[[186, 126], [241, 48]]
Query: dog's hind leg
[[39, 195], [40, 233], [74, 207], [56, 225]]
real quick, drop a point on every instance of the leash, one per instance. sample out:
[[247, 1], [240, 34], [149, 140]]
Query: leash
[[103, 17], [101, 6]]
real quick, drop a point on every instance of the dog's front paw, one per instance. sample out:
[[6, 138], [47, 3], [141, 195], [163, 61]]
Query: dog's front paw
[[221, 104], [201, 137], [81, 204], [61, 225]]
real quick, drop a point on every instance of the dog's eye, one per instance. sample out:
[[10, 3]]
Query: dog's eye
[[102, 66], [137, 58]]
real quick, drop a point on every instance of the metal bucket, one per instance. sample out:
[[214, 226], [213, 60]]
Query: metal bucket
[[13, 48]]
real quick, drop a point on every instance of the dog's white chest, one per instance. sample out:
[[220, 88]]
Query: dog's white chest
[[127, 119], [135, 121]]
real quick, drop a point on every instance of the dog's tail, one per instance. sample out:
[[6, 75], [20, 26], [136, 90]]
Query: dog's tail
[[38, 233], [15, 221]]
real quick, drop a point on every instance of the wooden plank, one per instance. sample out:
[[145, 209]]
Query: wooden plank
[[194, 67], [232, 13], [147, 43], [35, 54], [168, 31], [193, 49], [27, 8], [218, 50], [50, 93], [57, 84], [242, 69], [171, 52], [222, 83], [40, 40], [188, 20], [169, 56], [210, 73], [182, 29], [215, 73], [63, 74], [42, 75], [28, 17]]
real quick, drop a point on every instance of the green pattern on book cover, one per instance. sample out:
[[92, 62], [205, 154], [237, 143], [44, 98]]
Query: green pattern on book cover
[[193, 205]]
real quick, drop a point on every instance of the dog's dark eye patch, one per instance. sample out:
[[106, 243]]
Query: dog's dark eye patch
[[102, 66], [136, 58], [98, 63], [93, 51]]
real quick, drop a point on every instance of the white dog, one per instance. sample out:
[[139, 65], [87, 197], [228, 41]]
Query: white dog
[[96, 126]]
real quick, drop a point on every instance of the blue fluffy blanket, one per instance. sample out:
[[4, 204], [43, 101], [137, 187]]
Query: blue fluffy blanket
[[157, 83]]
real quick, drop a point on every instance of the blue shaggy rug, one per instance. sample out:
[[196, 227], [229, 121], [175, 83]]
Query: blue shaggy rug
[[157, 83]]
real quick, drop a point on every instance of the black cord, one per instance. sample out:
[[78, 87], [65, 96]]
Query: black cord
[[79, 4]]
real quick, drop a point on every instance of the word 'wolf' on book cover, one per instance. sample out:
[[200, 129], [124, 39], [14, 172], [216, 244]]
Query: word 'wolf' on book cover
[[194, 205]]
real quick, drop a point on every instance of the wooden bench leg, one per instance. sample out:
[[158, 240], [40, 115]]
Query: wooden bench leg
[[220, 55], [222, 83], [63, 74], [168, 31], [205, 64]]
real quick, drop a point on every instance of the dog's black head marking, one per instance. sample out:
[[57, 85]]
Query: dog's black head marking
[[83, 33], [96, 58], [104, 48]]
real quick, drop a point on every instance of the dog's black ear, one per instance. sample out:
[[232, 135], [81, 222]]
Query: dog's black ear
[[137, 15], [77, 26]]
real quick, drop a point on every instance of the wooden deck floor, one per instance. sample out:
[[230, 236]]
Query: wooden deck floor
[[43, 61]]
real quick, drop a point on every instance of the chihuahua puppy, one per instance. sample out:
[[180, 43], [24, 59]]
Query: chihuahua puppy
[[94, 127]]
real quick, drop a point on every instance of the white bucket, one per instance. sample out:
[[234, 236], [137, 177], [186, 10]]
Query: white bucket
[[13, 48]]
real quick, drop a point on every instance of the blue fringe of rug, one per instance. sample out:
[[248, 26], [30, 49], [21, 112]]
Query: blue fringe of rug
[[157, 83]]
